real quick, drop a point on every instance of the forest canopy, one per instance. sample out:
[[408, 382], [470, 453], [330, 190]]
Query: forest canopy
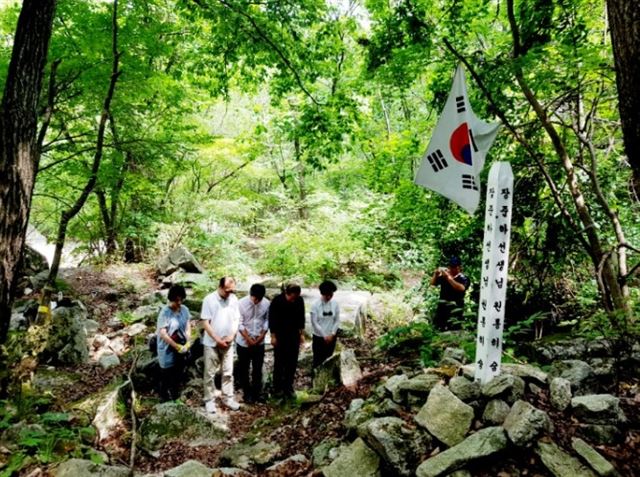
[[282, 139]]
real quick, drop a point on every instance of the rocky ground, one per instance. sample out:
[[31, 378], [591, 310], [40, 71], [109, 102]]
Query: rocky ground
[[318, 427]]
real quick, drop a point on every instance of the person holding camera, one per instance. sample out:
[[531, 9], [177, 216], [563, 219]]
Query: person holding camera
[[453, 286], [173, 330]]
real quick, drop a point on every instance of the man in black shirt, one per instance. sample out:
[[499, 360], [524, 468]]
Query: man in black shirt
[[453, 285], [286, 324]]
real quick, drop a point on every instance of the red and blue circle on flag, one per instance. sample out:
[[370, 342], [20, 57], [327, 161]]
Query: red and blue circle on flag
[[459, 144]]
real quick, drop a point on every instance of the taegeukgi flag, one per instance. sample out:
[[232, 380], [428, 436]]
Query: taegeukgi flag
[[456, 153]]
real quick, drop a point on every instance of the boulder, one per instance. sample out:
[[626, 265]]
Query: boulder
[[107, 417], [525, 371], [577, 372], [354, 460], [559, 463], [598, 409], [359, 412], [51, 380], [87, 468], [525, 423], [170, 420], [190, 468], [506, 386], [67, 340], [248, 456], [456, 354], [445, 416], [327, 374], [229, 472], [495, 412], [146, 313], [601, 433], [560, 393], [464, 389], [294, 465], [392, 386], [350, 372], [109, 360], [420, 385], [179, 257], [484, 443], [399, 446], [325, 452], [599, 464]]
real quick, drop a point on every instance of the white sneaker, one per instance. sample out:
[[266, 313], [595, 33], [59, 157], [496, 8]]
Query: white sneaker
[[232, 404], [210, 406]]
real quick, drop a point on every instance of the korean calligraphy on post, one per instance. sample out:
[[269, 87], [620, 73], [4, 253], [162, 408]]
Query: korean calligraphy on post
[[495, 260]]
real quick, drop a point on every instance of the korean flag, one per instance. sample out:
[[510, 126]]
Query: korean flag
[[457, 150]]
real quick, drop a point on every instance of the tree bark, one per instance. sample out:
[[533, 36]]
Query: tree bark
[[19, 153], [624, 21]]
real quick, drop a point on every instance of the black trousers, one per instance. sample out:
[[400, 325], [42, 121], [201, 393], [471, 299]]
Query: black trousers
[[321, 350], [250, 357], [170, 381], [285, 362], [448, 316]]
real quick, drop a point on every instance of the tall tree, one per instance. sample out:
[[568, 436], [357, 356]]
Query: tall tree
[[624, 20], [19, 154]]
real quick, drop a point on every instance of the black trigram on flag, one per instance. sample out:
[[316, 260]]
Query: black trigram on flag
[[469, 182], [460, 104], [473, 141], [437, 160]]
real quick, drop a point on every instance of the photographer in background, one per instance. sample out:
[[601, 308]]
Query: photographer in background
[[453, 286]]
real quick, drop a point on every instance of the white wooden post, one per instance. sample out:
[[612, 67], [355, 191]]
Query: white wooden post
[[495, 265]]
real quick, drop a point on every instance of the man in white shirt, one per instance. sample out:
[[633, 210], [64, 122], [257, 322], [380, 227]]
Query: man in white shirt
[[254, 324], [220, 319], [325, 321]]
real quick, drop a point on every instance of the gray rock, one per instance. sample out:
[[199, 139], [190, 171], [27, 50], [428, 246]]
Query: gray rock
[[495, 412], [601, 433], [169, 420], [247, 456], [420, 385], [18, 321], [109, 360], [321, 452], [387, 407], [559, 463], [52, 380], [190, 468], [445, 416], [67, 341], [179, 257], [464, 389], [598, 409], [560, 393], [358, 413], [392, 385], [158, 297], [350, 372], [86, 468], [506, 386], [179, 277], [455, 353], [135, 329], [599, 464], [525, 423], [577, 372], [355, 460], [91, 327], [484, 443], [398, 445], [146, 313], [449, 363], [525, 371]]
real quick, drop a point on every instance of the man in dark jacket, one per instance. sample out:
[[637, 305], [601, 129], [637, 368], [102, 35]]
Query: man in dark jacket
[[286, 324]]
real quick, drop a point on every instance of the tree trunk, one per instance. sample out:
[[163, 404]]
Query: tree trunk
[[19, 154], [624, 20], [303, 210]]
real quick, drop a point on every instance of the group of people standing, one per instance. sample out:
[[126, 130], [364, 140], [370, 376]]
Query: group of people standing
[[227, 321]]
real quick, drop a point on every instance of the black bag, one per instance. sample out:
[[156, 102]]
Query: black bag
[[179, 337]]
